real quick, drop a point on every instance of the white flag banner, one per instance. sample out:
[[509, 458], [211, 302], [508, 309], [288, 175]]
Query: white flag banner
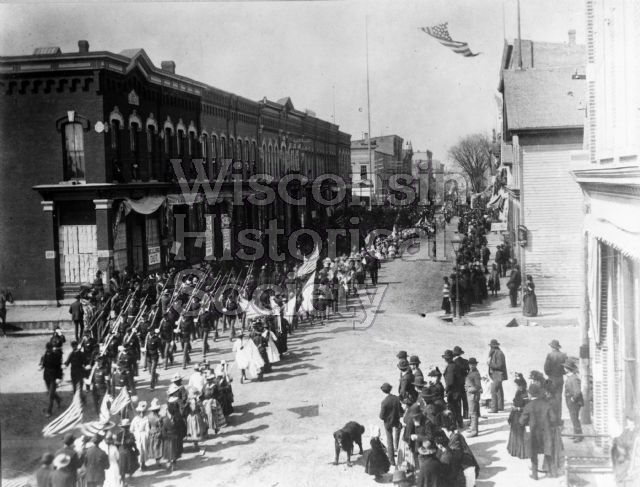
[[290, 309], [307, 294], [310, 263]]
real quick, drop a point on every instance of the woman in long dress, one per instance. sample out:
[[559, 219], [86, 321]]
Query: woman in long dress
[[516, 446], [112, 474], [210, 404], [170, 433], [247, 358], [127, 450], [529, 301], [155, 432], [494, 280], [140, 430], [377, 462], [196, 425]]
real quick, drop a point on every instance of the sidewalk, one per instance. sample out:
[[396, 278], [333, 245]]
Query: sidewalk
[[37, 319]]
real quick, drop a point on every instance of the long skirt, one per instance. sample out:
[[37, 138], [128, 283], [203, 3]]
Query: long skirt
[[446, 305], [405, 454], [196, 427], [128, 461], [556, 451], [517, 446], [155, 445], [530, 305], [377, 461], [170, 448], [142, 444], [214, 414], [112, 474]]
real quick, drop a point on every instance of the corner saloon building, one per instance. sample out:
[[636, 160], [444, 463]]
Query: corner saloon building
[[88, 183]]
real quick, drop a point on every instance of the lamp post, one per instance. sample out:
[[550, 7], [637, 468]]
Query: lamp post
[[455, 244]]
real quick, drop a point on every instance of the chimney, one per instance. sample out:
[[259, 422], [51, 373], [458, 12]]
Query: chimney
[[168, 66], [83, 47], [572, 37]]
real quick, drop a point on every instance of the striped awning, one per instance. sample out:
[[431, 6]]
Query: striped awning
[[628, 243]]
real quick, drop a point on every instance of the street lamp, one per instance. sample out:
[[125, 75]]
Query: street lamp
[[455, 244]]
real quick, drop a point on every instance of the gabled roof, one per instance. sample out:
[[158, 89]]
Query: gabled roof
[[286, 102], [543, 99]]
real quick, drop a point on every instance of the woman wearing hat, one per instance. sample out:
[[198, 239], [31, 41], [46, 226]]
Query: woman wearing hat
[[529, 300], [211, 405], [247, 358], [196, 425], [170, 435], [154, 444], [516, 443], [127, 450], [140, 431], [377, 462]]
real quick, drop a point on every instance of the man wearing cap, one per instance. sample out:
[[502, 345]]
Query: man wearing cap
[[74, 460], [453, 385], [152, 347], [405, 389], [463, 364], [390, 413], [554, 368], [498, 372], [473, 388], [573, 398], [414, 363], [96, 461]]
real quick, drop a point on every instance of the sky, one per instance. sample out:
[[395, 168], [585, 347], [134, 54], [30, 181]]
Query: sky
[[315, 53]]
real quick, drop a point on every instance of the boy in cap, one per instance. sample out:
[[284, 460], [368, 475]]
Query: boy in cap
[[390, 413], [473, 387]]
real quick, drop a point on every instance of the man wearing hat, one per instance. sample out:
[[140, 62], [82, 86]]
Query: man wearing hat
[[414, 363], [73, 463], [514, 283], [463, 364], [573, 397], [390, 413], [178, 391], [498, 372], [64, 474], [405, 389], [473, 388], [453, 386], [554, 368], [43, 474], [77, 316], [96, 461]]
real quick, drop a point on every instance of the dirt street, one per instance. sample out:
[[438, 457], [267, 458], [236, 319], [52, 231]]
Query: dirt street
[[281, 431]]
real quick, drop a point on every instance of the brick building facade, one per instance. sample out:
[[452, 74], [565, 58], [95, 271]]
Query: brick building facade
[[98, 148]]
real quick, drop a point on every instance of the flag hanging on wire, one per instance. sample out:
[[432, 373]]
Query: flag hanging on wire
[[310, 263], [120, 402], [440, 32], [67, 420]]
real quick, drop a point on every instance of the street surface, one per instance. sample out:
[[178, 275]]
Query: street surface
[[281, 431]]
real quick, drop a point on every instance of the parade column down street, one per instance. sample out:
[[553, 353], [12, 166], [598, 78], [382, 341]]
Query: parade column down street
[[281, 430]]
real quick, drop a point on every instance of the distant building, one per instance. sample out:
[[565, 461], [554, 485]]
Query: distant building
[[389, 156], [609, 176], [543, 91]]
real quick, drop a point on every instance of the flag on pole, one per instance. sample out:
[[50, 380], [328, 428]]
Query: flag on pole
[[307, 294], [251, 310], [440, 32], [67, 420], [310, 263], [290, 309], [120, 402], [105, 413]]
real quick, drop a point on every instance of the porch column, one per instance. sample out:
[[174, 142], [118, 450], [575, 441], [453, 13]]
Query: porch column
[[104, 238], [48, 279]]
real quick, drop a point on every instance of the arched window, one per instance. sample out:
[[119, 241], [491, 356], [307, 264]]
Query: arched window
[[181, 143], [73, 145], [152, 149], [231, 149], [239, 150], [223, 148], [134, 142]]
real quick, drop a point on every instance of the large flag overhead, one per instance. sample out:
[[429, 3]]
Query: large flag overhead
[[120, 402], [252, 310], [440, 32], [310, 263], [67, 420]]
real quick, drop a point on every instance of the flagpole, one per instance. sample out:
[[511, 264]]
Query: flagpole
[[366, 33], [519, 40]]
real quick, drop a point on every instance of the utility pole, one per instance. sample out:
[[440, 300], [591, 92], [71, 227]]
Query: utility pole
[[366, 33]]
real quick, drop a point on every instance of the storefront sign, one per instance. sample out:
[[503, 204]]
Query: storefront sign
[[49, 254], [209, 236], [154, 255]]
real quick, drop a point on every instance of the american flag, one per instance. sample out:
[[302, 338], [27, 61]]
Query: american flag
[[440, 32], [68, 420], [309, 264], [120, 402]]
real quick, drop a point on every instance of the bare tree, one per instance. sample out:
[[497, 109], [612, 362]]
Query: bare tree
[[473, 154]]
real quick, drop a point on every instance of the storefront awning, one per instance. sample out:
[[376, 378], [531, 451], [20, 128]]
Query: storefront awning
[[144, 206], [628, 243]]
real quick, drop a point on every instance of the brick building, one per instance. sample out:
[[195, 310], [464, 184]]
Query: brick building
[[88, 140]]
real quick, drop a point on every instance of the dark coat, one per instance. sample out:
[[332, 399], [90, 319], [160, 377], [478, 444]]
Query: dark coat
[[540, 417], [96, 462], [377, 460], [553, 365], [391, 411], [430, 473], [43, 476], [63, 477], [406, 385], [77, 313], [497, 362], [75, 462]]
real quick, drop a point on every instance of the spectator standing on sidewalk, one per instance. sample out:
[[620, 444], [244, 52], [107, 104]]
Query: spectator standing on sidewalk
[[473, 387], [573, 397], [514, 283], [554, 368], [390, 413], [77, 316], [497, 372]]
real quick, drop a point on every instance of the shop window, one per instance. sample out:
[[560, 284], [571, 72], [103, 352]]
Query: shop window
[[73, 145], [363, 172]]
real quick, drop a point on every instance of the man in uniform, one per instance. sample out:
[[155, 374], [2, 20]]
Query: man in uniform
[[100, 382], [77, 360], [166, 335], [554, 368], [152, 347], [186, 329]]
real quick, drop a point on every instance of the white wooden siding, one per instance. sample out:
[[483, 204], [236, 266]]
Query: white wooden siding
[[552, 205], [78, 253]]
